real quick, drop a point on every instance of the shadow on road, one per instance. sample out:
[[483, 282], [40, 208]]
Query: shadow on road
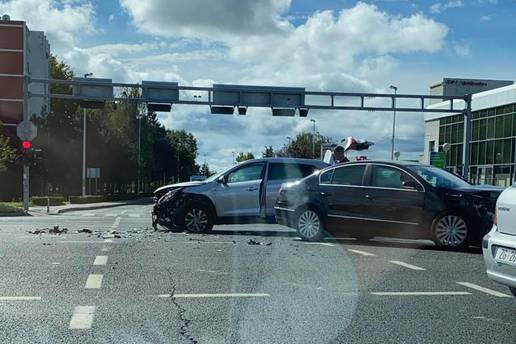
[[264, 233]]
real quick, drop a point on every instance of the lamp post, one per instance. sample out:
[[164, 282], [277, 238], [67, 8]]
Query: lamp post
[[84, 145], [313, 138], [395, 89]]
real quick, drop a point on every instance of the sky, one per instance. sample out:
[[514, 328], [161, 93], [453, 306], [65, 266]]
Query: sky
[[322, 45]]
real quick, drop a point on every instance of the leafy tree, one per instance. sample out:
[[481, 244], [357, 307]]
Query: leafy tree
[[7, 152], [301, 146], [205, 170], [268, 152], [244, 156]]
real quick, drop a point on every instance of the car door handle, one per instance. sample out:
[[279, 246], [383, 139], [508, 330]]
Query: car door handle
[[369, 197], [252, 188], [325, 194]]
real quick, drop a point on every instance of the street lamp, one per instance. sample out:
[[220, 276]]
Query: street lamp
[[397, 155], [140, 115], [313, 138], [84, 145], [395, 89]]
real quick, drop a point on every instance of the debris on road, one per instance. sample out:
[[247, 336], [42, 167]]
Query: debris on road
[[253, 242], [56, 230], [85, 230], [108, 236], [38, 231]]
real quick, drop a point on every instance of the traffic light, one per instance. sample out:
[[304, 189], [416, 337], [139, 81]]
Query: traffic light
[[26, 145]]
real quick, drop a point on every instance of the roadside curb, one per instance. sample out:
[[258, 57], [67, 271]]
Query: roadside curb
[[93, 206]]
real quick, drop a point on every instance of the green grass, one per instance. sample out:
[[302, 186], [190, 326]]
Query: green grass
[[11, 208]]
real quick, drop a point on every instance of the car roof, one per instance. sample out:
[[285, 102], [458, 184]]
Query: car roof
[[290, 160], [398, 163]]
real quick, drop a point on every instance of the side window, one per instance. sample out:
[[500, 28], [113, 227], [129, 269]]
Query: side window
[[327, 176], [348, 175], [246, 173], [388, 177], [282, 171]]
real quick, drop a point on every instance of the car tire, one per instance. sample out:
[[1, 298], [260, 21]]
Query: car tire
[[451, 231], [309, 224], [513, 291], [197, 218]]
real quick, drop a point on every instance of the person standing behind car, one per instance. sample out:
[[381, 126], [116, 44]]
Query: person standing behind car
[[338, 156]]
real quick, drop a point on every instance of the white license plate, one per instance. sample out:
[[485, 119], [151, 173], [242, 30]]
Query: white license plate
[[505, 255]]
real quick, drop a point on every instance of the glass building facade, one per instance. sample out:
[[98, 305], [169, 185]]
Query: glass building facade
[[493, 140]]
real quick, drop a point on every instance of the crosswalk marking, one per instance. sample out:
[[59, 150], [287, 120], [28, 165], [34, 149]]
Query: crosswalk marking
[[94, 281], [82, 318], [363, 253]]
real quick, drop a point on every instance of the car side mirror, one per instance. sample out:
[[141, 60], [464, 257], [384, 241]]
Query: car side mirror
[[409, 184], [222, 180]]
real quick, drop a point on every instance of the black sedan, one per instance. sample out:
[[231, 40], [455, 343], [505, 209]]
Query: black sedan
[[385, 198]]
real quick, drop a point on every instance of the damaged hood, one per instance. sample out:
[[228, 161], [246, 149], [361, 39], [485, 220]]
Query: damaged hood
[[178, 185]]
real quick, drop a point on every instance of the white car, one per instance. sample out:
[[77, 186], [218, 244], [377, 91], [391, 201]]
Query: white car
[[499, 245]]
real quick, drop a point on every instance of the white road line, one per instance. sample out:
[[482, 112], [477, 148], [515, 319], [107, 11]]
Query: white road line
[[116, 223], [111, 215], [84, 242], [82, 317], [55, 263], [100, 260], [364, 253], [94, 281], [419, 293], [483, 289], [406, 265], [193, 296], [134, 215], [208, 242], [107, 240], [88, 214], [319, 243], [105, 249], [20, 298]]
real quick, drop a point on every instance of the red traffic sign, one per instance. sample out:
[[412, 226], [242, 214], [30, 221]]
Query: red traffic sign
[[26, 131]]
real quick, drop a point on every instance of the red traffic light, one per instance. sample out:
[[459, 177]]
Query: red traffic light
[[26, 144]]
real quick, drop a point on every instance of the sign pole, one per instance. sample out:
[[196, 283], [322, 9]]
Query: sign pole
[[25, 161]]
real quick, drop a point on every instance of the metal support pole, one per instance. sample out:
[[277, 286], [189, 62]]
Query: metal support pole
[[139, 151], [26, 193], [393, 121], [313, 138], [467, 137], [83, 152]]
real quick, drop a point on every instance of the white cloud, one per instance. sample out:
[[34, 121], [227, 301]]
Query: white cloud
[[462, 49], [212, 20], [487, 17], [441, 7], [61, 21], [111, 17]]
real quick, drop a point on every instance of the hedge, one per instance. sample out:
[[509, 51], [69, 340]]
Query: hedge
[[42, 200], [101, 198]]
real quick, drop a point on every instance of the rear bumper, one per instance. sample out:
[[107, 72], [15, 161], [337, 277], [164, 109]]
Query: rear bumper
[[285, 216], [502, 273]]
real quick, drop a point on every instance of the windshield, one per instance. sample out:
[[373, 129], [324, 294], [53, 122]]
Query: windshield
[[438, 178]]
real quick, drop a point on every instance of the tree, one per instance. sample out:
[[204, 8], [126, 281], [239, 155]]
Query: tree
[[7, 152], [205, 170], [244, 156], [301, 146], [268, 152]]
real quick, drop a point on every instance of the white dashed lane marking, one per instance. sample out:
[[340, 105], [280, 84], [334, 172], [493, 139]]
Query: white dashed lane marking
[[319, 243], [20, 298], [116, 223], [419, 293], [100, 260], [363, 253], [194, 296], [82, 317], [94, 281], [406, 265], [134, 215], [483, 289], [88, 214], [105, 249]]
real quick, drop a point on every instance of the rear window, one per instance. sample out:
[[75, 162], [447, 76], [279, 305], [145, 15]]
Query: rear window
[[279, 171]]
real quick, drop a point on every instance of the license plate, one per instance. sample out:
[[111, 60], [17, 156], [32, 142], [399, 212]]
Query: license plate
[[505, 255]]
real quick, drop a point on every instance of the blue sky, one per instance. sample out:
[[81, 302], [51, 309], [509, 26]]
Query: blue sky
[[321, 45]]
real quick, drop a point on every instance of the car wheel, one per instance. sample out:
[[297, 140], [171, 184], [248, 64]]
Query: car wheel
[[198, 219], [451, 231], [309, 225], [513, 291]]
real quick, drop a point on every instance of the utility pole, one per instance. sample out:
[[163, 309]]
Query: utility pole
[[140, 114], [313, 138], [393, 119], [84, 145]]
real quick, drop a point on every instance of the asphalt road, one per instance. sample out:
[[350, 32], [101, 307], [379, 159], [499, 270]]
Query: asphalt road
[[160, 287]]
